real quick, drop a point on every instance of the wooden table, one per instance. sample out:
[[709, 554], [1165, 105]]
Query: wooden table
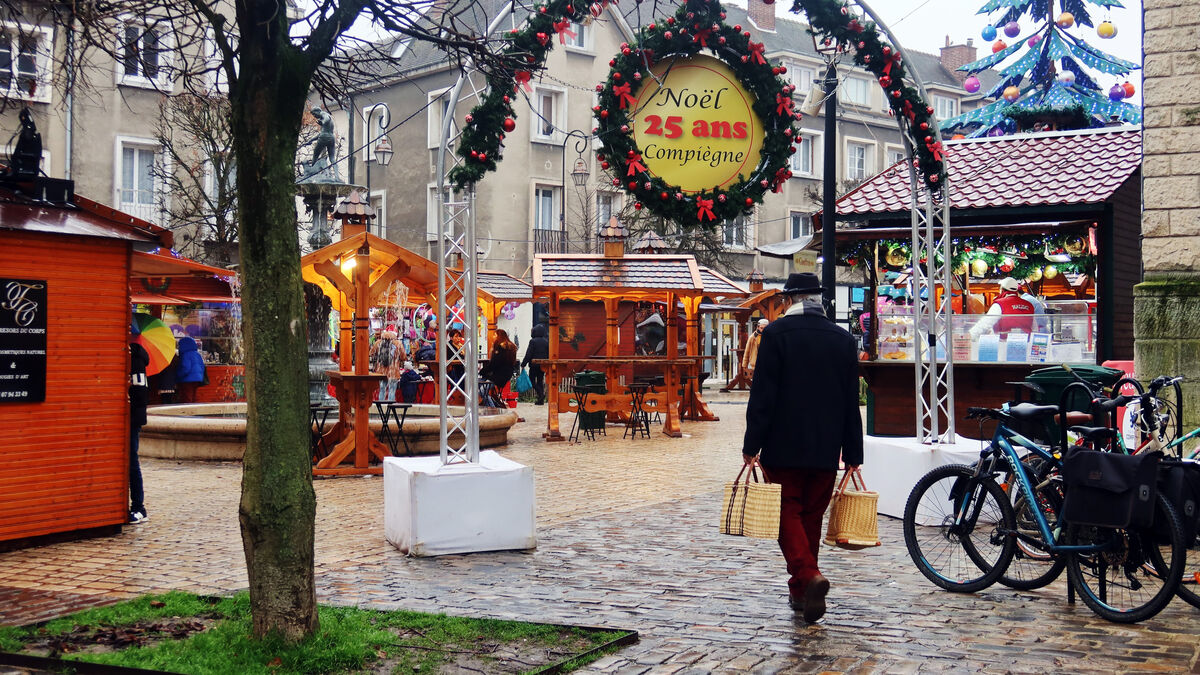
[[616, 403], [352, 433]]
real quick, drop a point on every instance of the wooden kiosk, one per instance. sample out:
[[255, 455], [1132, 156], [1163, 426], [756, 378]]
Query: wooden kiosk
[[613, 278], [1023, 206]]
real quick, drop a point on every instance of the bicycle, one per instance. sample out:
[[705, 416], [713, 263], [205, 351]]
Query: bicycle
[[962, 513]]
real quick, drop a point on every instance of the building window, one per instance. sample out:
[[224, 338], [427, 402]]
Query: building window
[[143, 57], [801, 78], [23, 56], [858, 161], [856, 90], [607, 206], [378, 227], [439, 107], [802, 160], [545, 207], [547, 114], [895, 155], [945, 107], [736, 232], [580, 41], [138, 193], [801, 225]]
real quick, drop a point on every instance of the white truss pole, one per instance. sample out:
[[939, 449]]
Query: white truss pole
[[931, 236]]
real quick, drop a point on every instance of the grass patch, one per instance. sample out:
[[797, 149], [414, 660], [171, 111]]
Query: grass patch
[[184, 633]]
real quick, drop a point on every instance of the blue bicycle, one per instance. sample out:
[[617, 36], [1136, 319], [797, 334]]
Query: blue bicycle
[[962, 531]]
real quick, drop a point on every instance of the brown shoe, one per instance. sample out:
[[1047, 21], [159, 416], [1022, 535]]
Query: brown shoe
[[814, 598], [796, 602]]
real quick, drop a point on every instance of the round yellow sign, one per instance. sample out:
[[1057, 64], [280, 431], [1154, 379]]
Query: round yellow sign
[[695, 124]]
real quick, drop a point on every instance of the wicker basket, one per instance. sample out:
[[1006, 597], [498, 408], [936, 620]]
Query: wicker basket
[[751, 509], [853, 514]]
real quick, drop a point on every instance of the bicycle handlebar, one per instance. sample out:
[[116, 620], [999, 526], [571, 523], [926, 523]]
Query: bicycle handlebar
[[1163, 381], [984, 413]]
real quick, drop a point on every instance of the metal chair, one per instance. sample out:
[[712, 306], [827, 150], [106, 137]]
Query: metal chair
[[587, 404]]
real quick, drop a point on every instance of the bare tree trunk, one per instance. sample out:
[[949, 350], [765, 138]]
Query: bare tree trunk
[[278, 505]]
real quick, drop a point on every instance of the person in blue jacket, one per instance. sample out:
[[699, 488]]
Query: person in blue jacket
[[189, 373]]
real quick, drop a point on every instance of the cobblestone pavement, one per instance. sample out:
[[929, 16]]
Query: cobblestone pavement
[[626, 538]]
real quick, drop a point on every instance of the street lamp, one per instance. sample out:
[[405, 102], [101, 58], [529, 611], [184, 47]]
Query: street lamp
[[832, 51], [579, 175], [383, 148]]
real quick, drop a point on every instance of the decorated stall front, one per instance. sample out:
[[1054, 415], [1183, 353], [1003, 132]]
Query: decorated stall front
[[1053, 215]]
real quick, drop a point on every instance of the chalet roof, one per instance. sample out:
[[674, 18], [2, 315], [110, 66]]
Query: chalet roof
[[503, 286], [650, 242], [84, 218], [718, 285], [1050, 168], [655, 272]]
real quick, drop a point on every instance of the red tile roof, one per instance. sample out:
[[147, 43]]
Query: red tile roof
[[1059, 167]]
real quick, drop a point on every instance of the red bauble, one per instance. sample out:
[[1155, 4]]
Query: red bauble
[[632, 185], [468, 119], [885, 81], [474, 154], [737, 28], [603, 165], [924, 126], [663, 195], [630, 154], [617, 75], [509, 124], [483, 156], [768, 2], [668, 35], [670, 21], [749, 201], [638, 206], [603, 114]]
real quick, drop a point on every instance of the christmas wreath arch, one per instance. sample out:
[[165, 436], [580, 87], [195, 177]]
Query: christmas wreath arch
[[697, 25]]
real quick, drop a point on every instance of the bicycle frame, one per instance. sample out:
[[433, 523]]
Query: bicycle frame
[[1003, 438]]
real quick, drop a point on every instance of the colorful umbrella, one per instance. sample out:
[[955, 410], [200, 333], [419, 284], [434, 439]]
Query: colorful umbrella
[[157, 339]]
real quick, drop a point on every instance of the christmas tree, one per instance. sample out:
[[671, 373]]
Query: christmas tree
[[1053, 80]]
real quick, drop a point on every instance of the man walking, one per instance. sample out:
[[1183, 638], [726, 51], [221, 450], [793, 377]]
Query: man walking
[[802, 416], [750, 356]]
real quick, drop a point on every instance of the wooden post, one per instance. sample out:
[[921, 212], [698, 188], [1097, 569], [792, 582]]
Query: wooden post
[[552, 375]]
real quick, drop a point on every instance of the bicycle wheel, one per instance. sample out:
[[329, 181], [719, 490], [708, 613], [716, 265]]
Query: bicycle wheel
[[1033, 567], [1135, 575], [1189, 583], [964, 557]]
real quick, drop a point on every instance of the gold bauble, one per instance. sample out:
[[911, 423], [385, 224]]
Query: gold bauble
[[1075, 246], [1066, 20], [896, 257], [961, 268], [1106, 30], [1034, 276], [1051, 271], [979, 268]]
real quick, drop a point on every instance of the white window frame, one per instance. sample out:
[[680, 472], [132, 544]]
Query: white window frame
[[439, 106], [583, 41], [795, 162], [889, 149], [560, 113], [556, 195], [940, 101], [378, 227], [615, 209], [166, 47], [218, 81], [41, 61], [844, 94], [802, 77], [747, 243], [868, 157], [156, 210], [371, 132], [795, 232]]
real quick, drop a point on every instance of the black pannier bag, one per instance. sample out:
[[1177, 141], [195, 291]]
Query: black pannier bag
[[1179, 481], [1105, 489]]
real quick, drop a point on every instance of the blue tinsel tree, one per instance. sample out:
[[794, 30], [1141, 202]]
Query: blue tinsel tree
[[1039, 72]]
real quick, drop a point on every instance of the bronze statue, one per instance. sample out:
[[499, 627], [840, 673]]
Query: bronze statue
[[325, 140]]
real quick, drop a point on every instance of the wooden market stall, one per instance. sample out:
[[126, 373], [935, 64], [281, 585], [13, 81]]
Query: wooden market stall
[[612, 279], [65, 269], [1059, 211]]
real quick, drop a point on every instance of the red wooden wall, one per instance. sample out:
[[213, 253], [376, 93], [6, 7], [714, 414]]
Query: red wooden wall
[[63, 465]]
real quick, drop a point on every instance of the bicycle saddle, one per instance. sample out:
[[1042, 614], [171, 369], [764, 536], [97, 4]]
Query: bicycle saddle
[[1095, 434], [1030, 411]]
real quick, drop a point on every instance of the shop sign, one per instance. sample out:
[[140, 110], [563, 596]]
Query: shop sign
[[804, 261], [22, 340], [696, 124]]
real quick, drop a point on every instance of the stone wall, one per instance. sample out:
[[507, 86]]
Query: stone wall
[[1167, 303]]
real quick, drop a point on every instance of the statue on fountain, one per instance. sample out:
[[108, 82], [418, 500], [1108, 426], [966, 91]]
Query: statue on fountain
[[322, 168]]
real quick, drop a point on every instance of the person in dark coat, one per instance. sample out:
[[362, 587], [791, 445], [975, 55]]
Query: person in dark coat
[[190, 371], [801, 419], [538, 348], [139, 396]]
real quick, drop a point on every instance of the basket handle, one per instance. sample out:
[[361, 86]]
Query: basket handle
[[853, 476], [754, 467]]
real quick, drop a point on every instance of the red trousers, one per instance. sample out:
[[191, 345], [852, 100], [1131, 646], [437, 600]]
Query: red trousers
[[806, 494]]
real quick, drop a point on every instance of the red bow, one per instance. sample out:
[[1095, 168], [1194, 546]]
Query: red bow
[[756, 51], [908, 110], [522, 78], [887, 67], [705, 210], [783, 104], [623, 93], [702, 36], [562, 28], [781, 177], [635, 165], [935, 148]]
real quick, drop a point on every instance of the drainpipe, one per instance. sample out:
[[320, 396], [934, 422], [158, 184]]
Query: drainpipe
[[70, 98]]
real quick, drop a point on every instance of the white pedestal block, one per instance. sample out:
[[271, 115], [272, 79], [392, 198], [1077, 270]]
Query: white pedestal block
[[892, 466], [430, 509]]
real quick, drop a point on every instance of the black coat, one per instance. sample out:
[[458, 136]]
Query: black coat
[[803, 409], [538, 347]]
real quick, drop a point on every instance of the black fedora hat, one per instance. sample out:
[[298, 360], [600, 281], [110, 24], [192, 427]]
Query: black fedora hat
[[802, 283]]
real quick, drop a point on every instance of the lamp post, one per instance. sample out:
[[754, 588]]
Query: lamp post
[[832, 51], [383, 148], [579, 175]]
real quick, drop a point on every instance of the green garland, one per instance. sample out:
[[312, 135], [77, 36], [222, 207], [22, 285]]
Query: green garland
[[832, 22], [1027, 254], [697, 24]]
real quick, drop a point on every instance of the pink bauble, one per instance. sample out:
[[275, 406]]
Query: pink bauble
[[971, 84]]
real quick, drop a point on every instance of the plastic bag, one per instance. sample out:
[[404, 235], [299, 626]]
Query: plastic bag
[[523, 382]]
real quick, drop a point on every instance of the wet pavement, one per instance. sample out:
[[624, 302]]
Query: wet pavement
[[627, 538]]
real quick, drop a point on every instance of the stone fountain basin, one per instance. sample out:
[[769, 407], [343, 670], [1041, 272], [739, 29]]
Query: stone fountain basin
[[217, 431]]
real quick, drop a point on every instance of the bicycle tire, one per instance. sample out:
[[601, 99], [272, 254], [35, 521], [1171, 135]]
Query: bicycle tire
[[1189, 581], [1137, 554], [961, 564], [1031, 568]]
